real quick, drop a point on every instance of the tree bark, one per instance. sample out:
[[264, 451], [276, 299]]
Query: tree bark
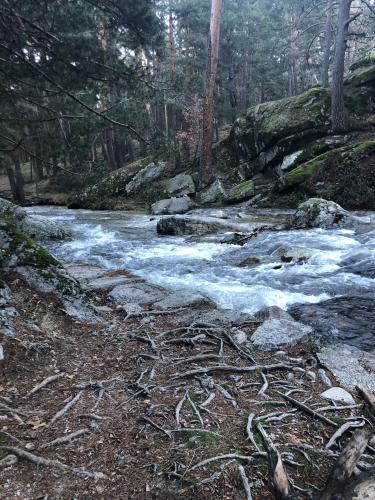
[[232, 92], [16, 180], [338, 117], [206, 171], [327, 45]]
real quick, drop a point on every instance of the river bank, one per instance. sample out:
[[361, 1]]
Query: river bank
[[289, 269], [141, 404], [113, 384]]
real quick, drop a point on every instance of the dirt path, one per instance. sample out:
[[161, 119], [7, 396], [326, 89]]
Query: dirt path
[[138, 421]]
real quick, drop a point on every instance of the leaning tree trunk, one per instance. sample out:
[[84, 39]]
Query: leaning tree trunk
[[327, 45], [338, 117], [206, 172]]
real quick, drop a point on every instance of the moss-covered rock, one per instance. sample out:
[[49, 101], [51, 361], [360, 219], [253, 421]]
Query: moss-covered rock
[[317, 212], [345, 175], [19, 253], [258, 133], [36, 227], [241, 192], [367, 60], [105, 194], [303, 172], [289, 140]]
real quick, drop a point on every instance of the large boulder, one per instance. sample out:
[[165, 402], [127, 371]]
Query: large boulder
[[181, 184], [271, 130], [148, 174], [19, 253], [343, 174], [349, 365], [184, 225], [171, 206], [346, 319], [317, 212], [214, 193], [240, 192], [289, 142], [37, 227], [106, 193]]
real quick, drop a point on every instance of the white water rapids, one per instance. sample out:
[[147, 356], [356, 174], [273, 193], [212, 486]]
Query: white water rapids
[[126, 240]]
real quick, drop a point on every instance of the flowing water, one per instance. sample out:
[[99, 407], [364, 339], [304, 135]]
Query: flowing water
[[336, 263]]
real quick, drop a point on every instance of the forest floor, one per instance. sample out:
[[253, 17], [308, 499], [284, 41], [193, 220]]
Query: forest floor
[[135, 420]]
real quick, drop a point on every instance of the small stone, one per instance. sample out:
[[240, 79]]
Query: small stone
[[310, 376], [281, 354], [324, 378], [338, 395], [131, 308], [146, 321], [240, 337], [278, 333], [30, 446], [207, 382], [290, 377]]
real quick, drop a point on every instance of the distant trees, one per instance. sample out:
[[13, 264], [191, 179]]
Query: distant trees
[[88, 85]]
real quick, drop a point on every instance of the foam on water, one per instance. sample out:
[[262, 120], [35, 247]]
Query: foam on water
[[116, 240]]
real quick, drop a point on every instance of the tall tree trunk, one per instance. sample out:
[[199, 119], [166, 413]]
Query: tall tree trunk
[[338, 117], [293, 78], [232, 92], [206, 171], [16, 180], [327, 45]]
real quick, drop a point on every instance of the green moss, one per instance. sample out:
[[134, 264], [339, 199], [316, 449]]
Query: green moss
[[29, 253], [361, 76], [364, 148], [301, 173], [366, 60], [241, 192]]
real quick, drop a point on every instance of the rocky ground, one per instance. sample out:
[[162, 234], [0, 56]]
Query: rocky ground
[[114, 388], [163, 398]]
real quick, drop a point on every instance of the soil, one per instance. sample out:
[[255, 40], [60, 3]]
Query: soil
[[129, 393]]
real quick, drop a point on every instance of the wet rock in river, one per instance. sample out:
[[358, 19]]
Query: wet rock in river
[[350, 319], [184, 225], [276, 333], [349, 365], [361, 264], [317, 212], [34, 226], [171, 206]]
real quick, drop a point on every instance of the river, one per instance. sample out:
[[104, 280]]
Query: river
[[333, 282]]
